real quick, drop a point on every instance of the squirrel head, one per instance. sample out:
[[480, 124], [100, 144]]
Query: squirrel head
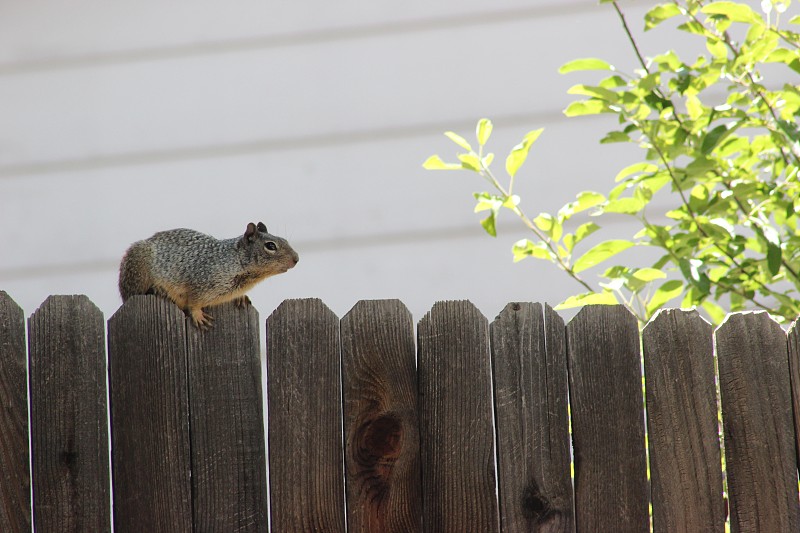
[[265, 254]]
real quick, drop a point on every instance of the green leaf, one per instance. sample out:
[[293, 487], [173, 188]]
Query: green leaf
[[795, 20], [636, 168], [527, 248], [717, 135], [588, 63], [734, 11], [584, 201], [615, 137], [483, 130], [488, 224], [649, 274], [716, 313], [666, 292], [600, 253], [774, 258], [627, 206], [470, 161], [597, 92], [434, 162], [659, 14], [584, 230], [519, 153], [548, 224], [487, 202], [458, 139], [586, 107], [588, 298]]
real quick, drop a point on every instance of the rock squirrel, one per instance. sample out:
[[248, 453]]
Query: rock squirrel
[[195, 270]]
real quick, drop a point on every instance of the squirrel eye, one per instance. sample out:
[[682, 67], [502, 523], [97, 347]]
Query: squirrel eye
[[269, 245]]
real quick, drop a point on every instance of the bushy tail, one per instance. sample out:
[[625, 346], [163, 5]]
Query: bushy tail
[[135, 276]]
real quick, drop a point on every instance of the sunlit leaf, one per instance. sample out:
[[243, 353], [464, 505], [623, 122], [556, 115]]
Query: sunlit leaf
[[636, 168], [519, 153], [733, 10], [586, 107], [488, 224], [649, 274], [659, 14], [588, 63], [666, 292], [458, 139], [588, 298], [483, 130], [434, 162], [600, 253], [527, 248]]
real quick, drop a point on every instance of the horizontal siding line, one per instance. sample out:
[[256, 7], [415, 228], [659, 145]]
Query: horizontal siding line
[[317, 140], [303, 247], [509, 231], [319, 36]]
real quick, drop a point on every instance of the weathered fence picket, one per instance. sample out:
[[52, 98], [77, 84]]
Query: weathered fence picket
[[469, 431], [760, 451], [305, 418], [456, 433], [682, 424], [226, 422], [530, 394], [605, 389], [15, 514], [69, 430], [381, 427], [150, 443]]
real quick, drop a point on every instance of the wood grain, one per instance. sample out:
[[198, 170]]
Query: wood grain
[[151, 458], [229, 488], [605, 377], [306, 480], [683, 429], [15, 514], [794, 381], [380, 419], [757, 419], [69, 430], [456, 431], [530, 378]]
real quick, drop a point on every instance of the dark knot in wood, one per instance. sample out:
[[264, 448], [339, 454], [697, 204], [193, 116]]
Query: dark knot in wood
[[536, 507], [377, 445]]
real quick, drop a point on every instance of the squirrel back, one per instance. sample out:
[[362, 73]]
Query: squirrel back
[[195, 270]]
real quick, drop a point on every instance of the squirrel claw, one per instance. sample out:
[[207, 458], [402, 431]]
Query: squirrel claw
[[242, 301], [201, 319]]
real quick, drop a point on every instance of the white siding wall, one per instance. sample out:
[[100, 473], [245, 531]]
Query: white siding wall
[[121, 119]]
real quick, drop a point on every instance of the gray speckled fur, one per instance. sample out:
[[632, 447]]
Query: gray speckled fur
[[195, 270]]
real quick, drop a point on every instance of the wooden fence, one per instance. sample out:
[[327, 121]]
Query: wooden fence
[[468, 430]]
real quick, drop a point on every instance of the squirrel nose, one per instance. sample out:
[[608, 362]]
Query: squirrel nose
[[296, 258]]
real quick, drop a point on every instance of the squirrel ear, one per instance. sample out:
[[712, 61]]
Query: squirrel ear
[[250, 231], [262, 227]]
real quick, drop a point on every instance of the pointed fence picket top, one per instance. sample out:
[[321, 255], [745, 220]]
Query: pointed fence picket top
[[760, 451], [605, 377], [529, 364], [682, 424], [69, 430], [381, 426], [151, 458], [306, 479], [15, 514], [229, 487], [456, 430]]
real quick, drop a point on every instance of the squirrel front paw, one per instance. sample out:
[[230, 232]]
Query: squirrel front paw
[[201, 319]]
